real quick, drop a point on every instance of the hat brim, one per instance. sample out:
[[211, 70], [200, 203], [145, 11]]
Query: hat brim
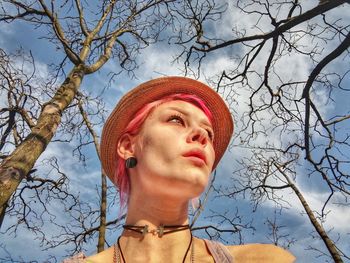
[[153, 90]]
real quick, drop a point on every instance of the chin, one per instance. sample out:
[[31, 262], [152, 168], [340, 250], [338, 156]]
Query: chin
[[193, 186], [196, 194], [199, 187], [200, 178]]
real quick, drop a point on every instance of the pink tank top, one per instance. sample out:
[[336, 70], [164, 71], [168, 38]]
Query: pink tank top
[[217, 250]]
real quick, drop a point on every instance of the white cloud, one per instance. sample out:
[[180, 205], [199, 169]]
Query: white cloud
[[6, 31]]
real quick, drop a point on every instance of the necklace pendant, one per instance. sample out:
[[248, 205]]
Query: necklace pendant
[[153, 232], [160, 230], [145, 230]]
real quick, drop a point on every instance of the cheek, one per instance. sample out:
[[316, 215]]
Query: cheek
[[151, 145], [145, 141]]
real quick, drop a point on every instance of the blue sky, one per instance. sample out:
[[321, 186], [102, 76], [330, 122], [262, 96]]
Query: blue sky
[[155, 61]]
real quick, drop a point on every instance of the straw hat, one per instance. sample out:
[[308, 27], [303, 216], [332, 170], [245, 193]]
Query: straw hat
[[153, 90]]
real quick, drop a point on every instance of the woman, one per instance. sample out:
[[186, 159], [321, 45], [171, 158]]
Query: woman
[[159, 146]]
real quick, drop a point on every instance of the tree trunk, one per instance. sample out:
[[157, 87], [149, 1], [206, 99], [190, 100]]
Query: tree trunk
[[17, 165], [331, 246], [103, 205], [103, 216]]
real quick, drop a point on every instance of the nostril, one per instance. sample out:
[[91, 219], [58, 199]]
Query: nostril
[[199, 137], [195, 137]]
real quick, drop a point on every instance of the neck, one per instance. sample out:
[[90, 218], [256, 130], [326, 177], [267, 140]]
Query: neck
[[156, 211]]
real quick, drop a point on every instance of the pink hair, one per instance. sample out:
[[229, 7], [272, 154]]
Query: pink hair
[[121, 178]]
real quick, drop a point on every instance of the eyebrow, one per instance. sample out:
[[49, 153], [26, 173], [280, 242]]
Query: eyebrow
[[204, 121]]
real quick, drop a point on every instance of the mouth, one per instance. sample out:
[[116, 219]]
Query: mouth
[[196, 155]]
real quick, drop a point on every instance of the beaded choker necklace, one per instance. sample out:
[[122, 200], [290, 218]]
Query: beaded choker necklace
[[160, 230]]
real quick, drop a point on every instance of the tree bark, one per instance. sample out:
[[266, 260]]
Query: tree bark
[[18, 164], [103, 216], [332, 248]]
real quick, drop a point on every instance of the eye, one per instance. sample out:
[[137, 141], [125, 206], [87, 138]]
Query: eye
[[176, 119], [210, 134]]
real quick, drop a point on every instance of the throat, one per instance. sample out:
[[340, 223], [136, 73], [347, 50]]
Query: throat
[[175, 247]]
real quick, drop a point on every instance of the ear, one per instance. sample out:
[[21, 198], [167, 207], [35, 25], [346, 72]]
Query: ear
[[125, 146]]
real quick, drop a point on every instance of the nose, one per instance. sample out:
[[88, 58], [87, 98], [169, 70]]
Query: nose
[[198, 135]]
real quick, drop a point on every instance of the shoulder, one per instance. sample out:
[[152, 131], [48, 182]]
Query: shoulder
[[78, 258], [105, 256], [260, 253]]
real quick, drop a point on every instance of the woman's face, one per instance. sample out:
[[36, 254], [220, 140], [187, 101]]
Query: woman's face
[[174, 150]]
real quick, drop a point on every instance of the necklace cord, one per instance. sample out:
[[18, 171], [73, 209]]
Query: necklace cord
[[120, 252], [188, 249]]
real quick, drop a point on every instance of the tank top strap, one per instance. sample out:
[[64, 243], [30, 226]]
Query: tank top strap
[[218, 251], [78, 258]]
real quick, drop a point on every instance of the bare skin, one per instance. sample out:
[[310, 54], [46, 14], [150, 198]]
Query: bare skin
[[164, 150]]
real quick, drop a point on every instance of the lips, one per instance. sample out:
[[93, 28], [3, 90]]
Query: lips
[[197, 154]]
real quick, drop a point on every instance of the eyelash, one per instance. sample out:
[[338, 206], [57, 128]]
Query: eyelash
[[180, 119], [176, 117], [210, 134]]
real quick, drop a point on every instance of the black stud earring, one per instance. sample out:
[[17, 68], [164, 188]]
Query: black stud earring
[[131, 162]]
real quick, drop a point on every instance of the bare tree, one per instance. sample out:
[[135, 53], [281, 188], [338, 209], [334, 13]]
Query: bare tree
[[285, 132], [44, 190], [19, 86], [89, 38]]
